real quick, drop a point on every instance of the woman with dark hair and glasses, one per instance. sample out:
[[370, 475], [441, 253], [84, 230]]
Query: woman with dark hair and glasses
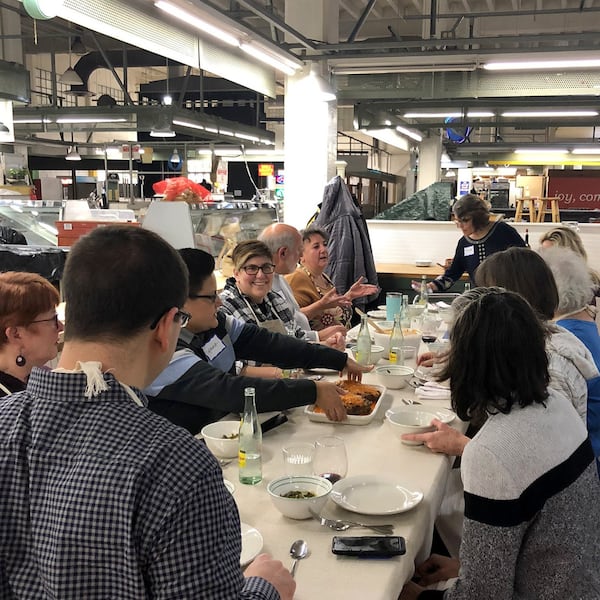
[[530, 485], [29, 327], [482, 237], [202, 384]]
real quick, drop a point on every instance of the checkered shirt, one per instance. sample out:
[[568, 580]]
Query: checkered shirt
[[101, 498], [273, 307]]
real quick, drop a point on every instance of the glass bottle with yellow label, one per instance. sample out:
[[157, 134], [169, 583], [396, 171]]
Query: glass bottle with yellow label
[[396, 355], [250, 439]]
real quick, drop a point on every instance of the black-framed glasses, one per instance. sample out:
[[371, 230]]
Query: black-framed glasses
[[53, 318], [267, 269], [210, 297], [181, 316]]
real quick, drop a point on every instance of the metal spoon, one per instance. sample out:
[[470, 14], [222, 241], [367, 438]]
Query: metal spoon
[[298, 550]]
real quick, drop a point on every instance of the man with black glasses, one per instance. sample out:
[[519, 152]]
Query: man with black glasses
[[201, 384], [99, 497]]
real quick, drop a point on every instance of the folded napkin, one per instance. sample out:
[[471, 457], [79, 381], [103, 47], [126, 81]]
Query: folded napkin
[[433, 390]]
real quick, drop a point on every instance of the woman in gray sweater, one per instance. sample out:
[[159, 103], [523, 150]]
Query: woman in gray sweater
[[530, 483]]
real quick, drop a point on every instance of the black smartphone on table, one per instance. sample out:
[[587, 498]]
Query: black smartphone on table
[[369, 546]]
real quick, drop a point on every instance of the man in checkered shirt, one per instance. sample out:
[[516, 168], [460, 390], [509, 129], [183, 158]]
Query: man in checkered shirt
[[99, 497]]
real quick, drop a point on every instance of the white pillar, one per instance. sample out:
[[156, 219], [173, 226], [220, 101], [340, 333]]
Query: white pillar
[[430, 157], [310, 123]]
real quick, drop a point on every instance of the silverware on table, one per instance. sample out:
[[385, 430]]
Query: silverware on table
[[343, 524], [409, 402], [298, 551]]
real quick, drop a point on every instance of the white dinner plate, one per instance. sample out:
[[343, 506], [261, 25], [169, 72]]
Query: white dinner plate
[[445, 415], [252, 544], [374, 495], [350, 419]]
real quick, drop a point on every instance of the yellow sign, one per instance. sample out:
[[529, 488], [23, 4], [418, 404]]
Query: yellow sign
[[266, 170]]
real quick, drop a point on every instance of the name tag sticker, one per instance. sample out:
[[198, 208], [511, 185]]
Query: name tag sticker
[[213, 348], [469, 250]]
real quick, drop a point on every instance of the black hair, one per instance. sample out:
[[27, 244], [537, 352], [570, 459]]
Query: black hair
[[523, 271], [118, 280], [497, 356], [200, 265]]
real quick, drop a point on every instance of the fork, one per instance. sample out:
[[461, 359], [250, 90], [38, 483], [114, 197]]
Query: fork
[[342, 525], [409, 402]]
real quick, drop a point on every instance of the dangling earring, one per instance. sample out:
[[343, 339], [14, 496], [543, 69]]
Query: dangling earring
[[20, 360]]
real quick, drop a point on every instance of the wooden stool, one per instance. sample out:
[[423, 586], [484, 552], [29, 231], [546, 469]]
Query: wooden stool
[[544, 207], [520, 204]]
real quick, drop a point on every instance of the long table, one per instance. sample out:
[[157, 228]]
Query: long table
[[372, 449]]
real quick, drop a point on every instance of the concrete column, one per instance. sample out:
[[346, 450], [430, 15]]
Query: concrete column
[[430, 156], [310, 123]]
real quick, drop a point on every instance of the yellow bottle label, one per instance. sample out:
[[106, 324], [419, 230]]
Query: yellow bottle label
[[242, 458], [393, 357]]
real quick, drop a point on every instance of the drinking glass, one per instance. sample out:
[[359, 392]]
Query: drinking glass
[[331, 460], [393, 305], [298, 459], [429, 328]]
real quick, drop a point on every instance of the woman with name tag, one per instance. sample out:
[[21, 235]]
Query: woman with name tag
[[481, 238], [201, 385]]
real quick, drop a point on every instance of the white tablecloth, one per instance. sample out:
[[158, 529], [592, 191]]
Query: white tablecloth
[[372, 449]]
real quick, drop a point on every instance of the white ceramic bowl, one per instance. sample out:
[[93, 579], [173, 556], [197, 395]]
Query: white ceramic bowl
[[220, 446], [377, 352], [412, 339], [423, 262], [394, 377], [409, 421], [299, 508]]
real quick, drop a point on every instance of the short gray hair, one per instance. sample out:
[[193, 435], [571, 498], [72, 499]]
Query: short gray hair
[[284, 238], [572, 276]]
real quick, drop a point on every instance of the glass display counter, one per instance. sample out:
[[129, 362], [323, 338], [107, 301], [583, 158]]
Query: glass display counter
[[215, 227], [35, 219]]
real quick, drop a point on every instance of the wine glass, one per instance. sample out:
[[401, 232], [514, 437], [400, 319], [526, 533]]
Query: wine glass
[[330, 460], [429, 327]]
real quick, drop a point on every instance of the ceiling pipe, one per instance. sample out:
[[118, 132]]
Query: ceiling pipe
[[361, 21]]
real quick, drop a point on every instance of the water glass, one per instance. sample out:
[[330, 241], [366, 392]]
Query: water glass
[[393, 305], [331, 460], [298, 459]]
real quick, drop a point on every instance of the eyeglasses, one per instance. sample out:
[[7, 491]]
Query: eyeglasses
[[53, 318], [267, 269], [210, 297], [181, 316]]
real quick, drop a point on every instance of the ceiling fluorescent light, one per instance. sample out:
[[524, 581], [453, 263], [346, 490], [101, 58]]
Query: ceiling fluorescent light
[[267, 142], [198, 23], [411, 134], [91, 120], [26, 121], [268, 59], [542, 64], [595, 150], [443, 115], [541, 151], [226, 132], [382, 69], [551, 113]]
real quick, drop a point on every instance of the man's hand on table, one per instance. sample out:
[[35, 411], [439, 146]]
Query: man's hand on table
[[354, 371], [428, 359], [275, 573], [327, 332], [445, 439], [329, 399]]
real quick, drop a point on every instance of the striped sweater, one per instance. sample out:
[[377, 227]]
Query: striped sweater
[[532, 509]]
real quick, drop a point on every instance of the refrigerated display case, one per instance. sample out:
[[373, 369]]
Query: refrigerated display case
[[35, 219]]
